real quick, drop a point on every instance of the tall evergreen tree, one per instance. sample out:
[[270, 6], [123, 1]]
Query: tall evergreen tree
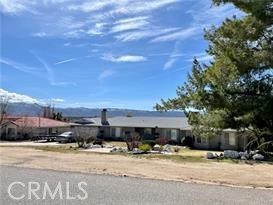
[[235, 90]]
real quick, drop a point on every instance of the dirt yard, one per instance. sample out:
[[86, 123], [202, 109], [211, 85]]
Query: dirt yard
[[257, 175]]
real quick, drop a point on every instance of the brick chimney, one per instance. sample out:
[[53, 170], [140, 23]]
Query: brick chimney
[[103, 116]]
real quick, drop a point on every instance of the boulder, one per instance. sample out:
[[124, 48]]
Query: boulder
[[243, 158], [136, 151], [244, 155], [210, 155], [258, 157], [231, 154], [95, 146], [157, 147], [167, 148], [113, 149]]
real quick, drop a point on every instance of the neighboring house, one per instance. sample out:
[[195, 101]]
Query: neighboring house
[[25, 127], [175, 128], [229, 139]]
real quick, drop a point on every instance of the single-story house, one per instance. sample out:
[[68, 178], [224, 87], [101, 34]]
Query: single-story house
[[25, 127], [174, 128]]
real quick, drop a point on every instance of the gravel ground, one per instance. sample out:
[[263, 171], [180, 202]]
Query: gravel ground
[[104, 189]]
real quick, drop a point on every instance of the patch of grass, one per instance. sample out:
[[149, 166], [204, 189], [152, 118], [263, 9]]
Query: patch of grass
[[62, 149], [177, 158], [116, 143]]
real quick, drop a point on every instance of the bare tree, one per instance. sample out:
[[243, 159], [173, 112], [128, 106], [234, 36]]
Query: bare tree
[[84, 136], [25, 129], [4, 102], [133, 141], [48, 111]]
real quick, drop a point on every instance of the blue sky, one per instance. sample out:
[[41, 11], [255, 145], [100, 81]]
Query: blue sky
[[108, 53]]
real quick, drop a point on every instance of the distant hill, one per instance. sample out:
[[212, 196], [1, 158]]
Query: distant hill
[[19, 109]]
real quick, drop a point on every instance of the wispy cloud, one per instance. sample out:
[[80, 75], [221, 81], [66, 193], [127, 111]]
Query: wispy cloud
[[205, 14], [174, 56], [98, 18], [124, 58], [19, 66], [138, 35], [130, 23], [50, 73], [179, 35], [66, 61], [202, 57], [40, 34], [169, 63], [105, 74], [120, 6], [15, 6]]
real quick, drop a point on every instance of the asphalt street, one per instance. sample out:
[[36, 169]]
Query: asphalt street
[[34, 186]]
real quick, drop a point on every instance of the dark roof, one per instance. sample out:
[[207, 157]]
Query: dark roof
[[146, 122]]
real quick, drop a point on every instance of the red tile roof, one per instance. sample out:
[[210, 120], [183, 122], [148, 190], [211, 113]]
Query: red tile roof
[[38, 122]]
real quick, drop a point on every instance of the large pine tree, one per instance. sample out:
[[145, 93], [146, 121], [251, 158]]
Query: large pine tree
[[235, 90]]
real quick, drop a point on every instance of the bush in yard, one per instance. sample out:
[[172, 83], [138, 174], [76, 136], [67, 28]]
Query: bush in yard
[[133, 141], [145, 147], [162, 140], [84, 136], [149, 142]]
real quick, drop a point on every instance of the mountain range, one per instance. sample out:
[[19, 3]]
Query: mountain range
[[19, 109]]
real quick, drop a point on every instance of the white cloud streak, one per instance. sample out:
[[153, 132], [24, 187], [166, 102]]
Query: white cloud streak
[[202, 57], [40, 34], [121, 6], [124, 58], [19, 66], [138, 35], [179, 35], [174, 56], [66, 61], [130, 24], [105, 74]]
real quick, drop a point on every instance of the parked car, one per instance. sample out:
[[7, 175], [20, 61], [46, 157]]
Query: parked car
[[65, 137]]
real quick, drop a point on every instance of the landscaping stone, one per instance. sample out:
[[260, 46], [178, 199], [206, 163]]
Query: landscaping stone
[[95, 146], [258, 157], [243, 158], [167, 148], [231, 154], [210, 155], [244, 155], [157, 147], [136, 151]]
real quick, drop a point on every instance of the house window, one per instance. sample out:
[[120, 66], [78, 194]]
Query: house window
[[116, 132], [11, 131], [226, 138], [232, 139], [198, 140], [174, 134]]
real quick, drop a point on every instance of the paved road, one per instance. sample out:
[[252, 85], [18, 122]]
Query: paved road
[[118, 190]]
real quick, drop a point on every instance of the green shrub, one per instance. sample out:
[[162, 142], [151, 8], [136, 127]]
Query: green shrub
[[145, 147], [149, 142]]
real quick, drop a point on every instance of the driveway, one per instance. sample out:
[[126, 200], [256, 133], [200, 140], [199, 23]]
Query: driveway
[[104, 189]]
